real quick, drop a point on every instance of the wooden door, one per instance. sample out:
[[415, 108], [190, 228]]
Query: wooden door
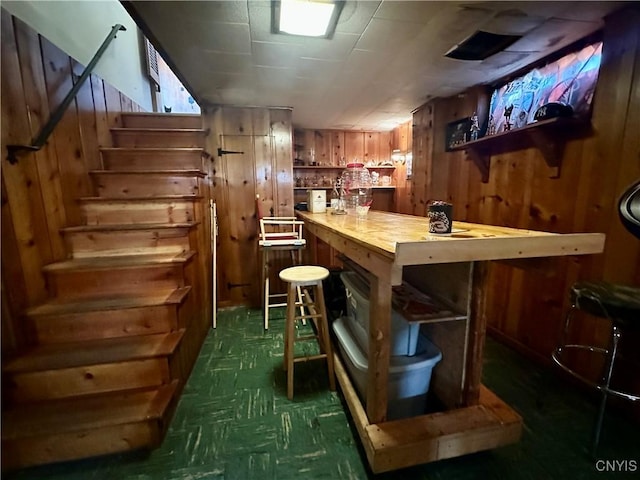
[[237, 257]]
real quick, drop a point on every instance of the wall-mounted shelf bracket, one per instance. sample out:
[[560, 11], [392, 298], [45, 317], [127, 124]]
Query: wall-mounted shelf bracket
[[547, 136]]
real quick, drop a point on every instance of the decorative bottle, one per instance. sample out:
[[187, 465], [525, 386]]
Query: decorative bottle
[[356, 181]]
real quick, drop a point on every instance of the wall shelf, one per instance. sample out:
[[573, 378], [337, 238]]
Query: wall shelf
[[375, 187], [548, 136], [342, 167]]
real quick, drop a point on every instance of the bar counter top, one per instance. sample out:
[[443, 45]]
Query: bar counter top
[[406, 239]]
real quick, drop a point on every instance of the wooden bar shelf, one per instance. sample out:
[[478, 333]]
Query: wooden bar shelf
[[548, 136]]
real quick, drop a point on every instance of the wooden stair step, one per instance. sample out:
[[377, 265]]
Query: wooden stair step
[[88, 412], [128, 227], [116, 183], [141, 158], [59, 321], [73, 429], [161, 120], [161, 297], [127, 239], [144, 173], [157, 198], [123, 261], [159, 137], [94, 352], [86, 277], [156, 209]]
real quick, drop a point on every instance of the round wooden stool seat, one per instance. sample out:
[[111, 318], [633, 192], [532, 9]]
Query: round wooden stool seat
[[304, 274]]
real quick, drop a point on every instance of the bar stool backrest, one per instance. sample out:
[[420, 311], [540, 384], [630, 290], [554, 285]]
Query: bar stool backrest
[[629, 209]]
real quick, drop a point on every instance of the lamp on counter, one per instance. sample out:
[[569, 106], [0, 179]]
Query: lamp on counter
[[397, 156]]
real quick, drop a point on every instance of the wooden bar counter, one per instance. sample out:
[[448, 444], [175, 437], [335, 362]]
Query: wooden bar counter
[[393, 247]]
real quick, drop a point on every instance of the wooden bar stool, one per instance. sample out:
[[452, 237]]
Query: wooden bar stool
[[309, 278]]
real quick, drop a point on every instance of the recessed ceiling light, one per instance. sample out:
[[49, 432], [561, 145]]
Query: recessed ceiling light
[[309, 18]]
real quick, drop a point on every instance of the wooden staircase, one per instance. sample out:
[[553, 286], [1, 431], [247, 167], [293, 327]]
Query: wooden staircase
[[115, 343]]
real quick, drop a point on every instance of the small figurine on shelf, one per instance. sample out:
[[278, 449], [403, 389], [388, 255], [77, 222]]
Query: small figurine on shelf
[[491, 128], [475, 126], [507, 115]]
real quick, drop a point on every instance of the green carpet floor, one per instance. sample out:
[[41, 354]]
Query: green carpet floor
[[235, 422]]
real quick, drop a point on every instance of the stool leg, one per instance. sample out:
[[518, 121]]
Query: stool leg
[[295, 260], [615, 337], [323, 333], [290, 338], [265, 280]]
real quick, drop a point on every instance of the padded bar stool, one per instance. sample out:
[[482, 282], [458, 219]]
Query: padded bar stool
[[620, 305], [309, 278]]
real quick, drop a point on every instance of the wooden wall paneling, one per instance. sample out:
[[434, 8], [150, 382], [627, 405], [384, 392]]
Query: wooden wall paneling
[[126, 104], [15, 299], [621, 265], [112, 100], [43, 170], [87, 120], [322, 142], [260, 122], [308, 152], [103, 134], [212, 120], [371, 148], [439, 172], [237, 121], [422, 157], [384, 146], [610, 105], [19, 178], [338, 148], [264, 175], [354, 146], [74, 175], [281, 130]]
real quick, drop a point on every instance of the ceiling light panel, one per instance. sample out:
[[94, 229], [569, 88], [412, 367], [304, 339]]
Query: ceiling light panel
[[309, 18]]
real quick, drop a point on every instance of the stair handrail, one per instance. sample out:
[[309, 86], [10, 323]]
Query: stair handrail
[[39, 141]]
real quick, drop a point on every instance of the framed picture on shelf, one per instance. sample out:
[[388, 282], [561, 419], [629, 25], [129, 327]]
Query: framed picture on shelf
[[457, 133]]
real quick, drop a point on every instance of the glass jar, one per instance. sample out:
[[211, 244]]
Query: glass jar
[[356, 181]]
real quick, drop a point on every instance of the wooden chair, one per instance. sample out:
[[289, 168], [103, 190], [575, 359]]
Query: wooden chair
[[277, 234]]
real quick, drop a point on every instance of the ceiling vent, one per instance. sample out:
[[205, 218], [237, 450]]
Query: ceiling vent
[[481, 45]]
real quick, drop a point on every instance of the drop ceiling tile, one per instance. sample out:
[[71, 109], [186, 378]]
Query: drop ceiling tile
[[355, 16], [275, 54], [227, 11], [384, 35], [227, 62], [274, 77], [219, 37], [337, 48], [553, 35], [513, 22], [409, 11], [317, 68]]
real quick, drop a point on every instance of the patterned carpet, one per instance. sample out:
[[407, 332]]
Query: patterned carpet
[[235, 422]]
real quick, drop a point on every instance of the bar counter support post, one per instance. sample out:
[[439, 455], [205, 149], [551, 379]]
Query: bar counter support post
[[379, 347]]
